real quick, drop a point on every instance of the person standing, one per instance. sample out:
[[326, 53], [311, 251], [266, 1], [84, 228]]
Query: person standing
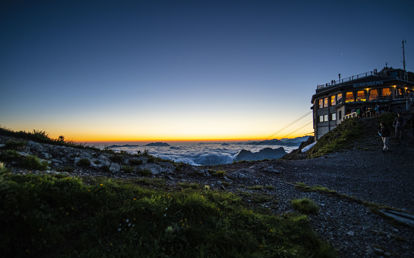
[[385, 134], [398, 125]]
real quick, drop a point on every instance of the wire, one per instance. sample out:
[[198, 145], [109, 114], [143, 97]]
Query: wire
[[292, 123], [297, 129]]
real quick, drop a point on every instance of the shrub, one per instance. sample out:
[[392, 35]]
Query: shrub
[[117, 158], [69, 169], [151, 159], [144, 172], [305, 205], [3, 168], [105, 168], [84, 163], [135, 162], [27, 161], [15, 144], [127, 169], [33, 162]]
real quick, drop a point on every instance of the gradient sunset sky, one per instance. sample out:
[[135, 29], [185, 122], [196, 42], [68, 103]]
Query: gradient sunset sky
[[186, 70]]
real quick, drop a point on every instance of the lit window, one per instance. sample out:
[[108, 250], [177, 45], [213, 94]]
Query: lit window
[[361, 96], [325, 102], [339, 97], [349, 97], [320, 119], [386, 92], [400, 92], [333, 117], [326, 118], [373, 94], [320, 103], [333, 100]]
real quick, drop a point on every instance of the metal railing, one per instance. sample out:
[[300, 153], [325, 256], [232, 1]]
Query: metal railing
[[347, 79]]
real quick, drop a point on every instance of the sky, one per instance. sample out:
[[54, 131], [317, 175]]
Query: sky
[[186, 70]]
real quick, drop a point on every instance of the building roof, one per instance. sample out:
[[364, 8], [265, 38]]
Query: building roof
[[364, 80]]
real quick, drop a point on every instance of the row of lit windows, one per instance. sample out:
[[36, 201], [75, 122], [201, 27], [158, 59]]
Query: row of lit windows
[[325, 118], [360, 96], [332, 99]]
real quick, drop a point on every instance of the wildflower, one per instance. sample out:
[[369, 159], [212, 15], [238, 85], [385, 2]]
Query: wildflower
[[127, 220], [101, 184], [134, 199], [169, 229]]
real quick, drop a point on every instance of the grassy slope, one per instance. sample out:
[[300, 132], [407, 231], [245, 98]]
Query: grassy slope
[[348, 133], [52, 216]]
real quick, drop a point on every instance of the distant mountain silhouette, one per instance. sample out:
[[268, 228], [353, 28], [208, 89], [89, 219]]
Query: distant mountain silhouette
[[158, 144], [119, 146], [285, 141], [266, 153]]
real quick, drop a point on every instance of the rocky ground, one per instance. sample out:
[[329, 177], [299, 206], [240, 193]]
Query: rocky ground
[[364, 174]]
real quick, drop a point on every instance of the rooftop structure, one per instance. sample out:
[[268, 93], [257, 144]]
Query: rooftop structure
[[362, 95]]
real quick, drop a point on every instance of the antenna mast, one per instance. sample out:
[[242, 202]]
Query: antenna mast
[[403, 52]]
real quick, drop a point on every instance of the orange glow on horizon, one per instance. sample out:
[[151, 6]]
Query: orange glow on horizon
[[175, 139]]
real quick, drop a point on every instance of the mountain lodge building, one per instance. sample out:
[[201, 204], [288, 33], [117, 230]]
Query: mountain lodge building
[[361, 95]]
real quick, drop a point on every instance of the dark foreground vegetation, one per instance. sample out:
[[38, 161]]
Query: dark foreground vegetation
[[41, 137], [56, 216]]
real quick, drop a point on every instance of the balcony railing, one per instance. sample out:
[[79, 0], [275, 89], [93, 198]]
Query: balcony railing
[[347, 79]]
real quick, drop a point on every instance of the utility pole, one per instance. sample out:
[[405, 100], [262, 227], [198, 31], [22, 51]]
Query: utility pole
[[403, 52]]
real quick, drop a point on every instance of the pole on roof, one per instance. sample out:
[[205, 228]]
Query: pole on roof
[[403, 52]]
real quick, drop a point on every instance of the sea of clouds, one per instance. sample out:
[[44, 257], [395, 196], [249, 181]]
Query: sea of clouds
[[199, 154]]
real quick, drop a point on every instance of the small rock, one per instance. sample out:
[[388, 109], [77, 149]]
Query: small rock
[[378, 250], [115, 168], [2, 145], [46, 155], [350, 233], [271, 169]]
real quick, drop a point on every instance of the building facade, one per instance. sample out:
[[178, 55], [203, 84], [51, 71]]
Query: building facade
[[361, 95]]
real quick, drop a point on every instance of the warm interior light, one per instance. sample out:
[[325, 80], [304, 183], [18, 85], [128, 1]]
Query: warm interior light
[[349, 97], [386, 92], [361, 96], [373, 94]]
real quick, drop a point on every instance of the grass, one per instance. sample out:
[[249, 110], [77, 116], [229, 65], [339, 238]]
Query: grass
[[217, 173], [187, 185], [315, 188], [305, 205], [255, 187], [55, 216], [342, 137], [23, 161]]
